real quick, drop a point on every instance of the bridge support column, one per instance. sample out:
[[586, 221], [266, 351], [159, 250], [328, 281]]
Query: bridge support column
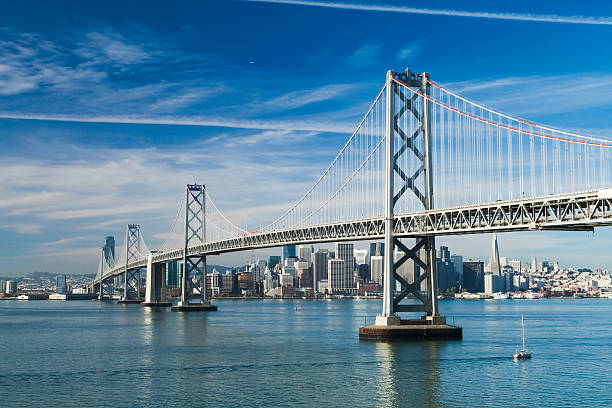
[[419, 181], [156, 284], [194, 266], [131, 277]]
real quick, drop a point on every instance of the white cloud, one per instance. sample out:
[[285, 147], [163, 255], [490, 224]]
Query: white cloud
[[64, 241], [364, 56], [410, 51], [114, 48], [548, 95], [298, 99]]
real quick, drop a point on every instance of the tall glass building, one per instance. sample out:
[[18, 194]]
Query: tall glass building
[[273, 261], [60, 284], [109, 248], [173, 277], [288, 251]]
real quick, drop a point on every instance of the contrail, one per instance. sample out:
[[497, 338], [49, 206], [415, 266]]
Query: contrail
[[546, 18], [234, 124]]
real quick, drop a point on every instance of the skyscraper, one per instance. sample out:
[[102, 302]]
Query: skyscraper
[[260, 270], [288, 251], [376, 269], [344, 251], [304, 252], [172, 275], [319, 266], [273, 260], [534, 264], [60, 284], [336, 276], [457, 261], [109, 248], [361, 256], [473, 276], [10, 287], [495, 266], [304, 276]]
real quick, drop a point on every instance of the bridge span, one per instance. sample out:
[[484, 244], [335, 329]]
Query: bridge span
[[491, 173]]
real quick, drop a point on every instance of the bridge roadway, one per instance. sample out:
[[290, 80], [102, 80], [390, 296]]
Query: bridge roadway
[[572, 212]]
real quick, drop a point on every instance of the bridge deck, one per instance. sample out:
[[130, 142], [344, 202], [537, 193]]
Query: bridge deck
[[578, 211]]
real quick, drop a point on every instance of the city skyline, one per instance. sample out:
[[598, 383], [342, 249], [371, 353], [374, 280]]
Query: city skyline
[[98, 119]]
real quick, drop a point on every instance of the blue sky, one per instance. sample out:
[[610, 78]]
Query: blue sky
[[107, 110]]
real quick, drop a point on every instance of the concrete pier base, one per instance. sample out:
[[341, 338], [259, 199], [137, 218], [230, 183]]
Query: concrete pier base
[[194, 307], [423, 329], [126, 301], [155, 304]]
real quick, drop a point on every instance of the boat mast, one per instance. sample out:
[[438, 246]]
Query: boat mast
[[523, 324]]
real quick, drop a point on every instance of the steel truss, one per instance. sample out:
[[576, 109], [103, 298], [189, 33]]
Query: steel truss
[[423, 253], [569, 212], [194, 264], [131, 278]]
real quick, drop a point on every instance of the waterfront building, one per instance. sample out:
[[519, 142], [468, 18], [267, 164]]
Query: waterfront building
[[246, 281], [215, 283], [364, 288], [60, 284], [492, 283], [376, 269], [2, 286], [229, 283], [344, 251], [336, 276], [11, 287], [322, 286], [319, 265], [473, 276]]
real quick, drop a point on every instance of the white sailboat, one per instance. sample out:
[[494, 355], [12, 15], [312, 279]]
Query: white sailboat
[[523, 354]]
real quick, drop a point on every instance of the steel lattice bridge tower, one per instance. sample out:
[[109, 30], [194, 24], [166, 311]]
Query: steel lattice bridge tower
[[423, 162]]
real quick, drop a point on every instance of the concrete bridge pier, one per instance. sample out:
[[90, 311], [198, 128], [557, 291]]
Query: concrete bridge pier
[[156, 285]]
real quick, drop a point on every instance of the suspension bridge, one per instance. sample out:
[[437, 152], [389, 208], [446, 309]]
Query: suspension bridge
[[423, 162]]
